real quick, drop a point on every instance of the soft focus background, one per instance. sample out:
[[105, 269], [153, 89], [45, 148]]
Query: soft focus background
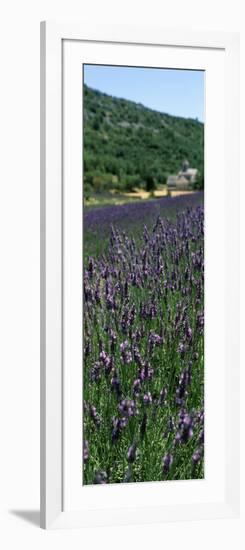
[[140, 125], [19, 300]]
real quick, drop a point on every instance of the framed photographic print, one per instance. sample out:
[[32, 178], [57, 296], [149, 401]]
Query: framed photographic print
[[139, 275]]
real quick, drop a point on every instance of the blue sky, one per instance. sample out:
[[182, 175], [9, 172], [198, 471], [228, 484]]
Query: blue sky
[[173, 91]]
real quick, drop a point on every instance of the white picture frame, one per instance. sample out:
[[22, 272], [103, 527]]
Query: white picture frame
[[54, 237]]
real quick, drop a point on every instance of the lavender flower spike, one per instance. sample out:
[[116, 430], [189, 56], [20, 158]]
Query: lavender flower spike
[[167, 463], [100, 478], [85, 451]]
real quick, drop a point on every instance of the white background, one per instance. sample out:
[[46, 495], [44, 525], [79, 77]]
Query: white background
[[19, 270]]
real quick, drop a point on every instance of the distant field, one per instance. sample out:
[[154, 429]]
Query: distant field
[[131, 215], [114, 197]]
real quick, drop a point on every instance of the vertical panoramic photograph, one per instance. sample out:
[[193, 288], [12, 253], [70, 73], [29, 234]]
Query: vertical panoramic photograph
[[143, 274]]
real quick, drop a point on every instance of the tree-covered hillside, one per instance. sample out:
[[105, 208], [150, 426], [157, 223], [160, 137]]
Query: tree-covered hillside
[[127, 145]]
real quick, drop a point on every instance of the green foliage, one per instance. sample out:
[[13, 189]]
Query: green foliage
[[131, 182], [88, 190], [199, 183], [150, 183], [132, 142]]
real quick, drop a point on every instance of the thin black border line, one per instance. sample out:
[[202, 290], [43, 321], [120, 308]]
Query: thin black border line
[[143, 67]]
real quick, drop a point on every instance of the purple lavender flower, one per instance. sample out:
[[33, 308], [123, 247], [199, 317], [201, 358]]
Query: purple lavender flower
[[126, 355], [162, 397], [167, 463], [106, 361], [154, 340], [110, 302], [113, 339], [95, 372], [95, 416], [181, 349], [100, 478], [147, 398], [197, 455], [118, 425], [146, 373], [85, 450], [200, 320], [201, 437], [184, 382], [97, 295], [185, 431], [188, 333], [137, 387], [200, 417], [137, 356], [127, 407]]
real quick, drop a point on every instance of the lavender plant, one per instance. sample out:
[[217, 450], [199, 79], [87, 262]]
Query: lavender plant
[[143, 377]]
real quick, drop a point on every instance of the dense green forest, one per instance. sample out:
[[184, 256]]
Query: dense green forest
[[127, 145]]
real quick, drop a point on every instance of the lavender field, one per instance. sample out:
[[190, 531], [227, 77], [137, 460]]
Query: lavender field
[[143, 375]]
